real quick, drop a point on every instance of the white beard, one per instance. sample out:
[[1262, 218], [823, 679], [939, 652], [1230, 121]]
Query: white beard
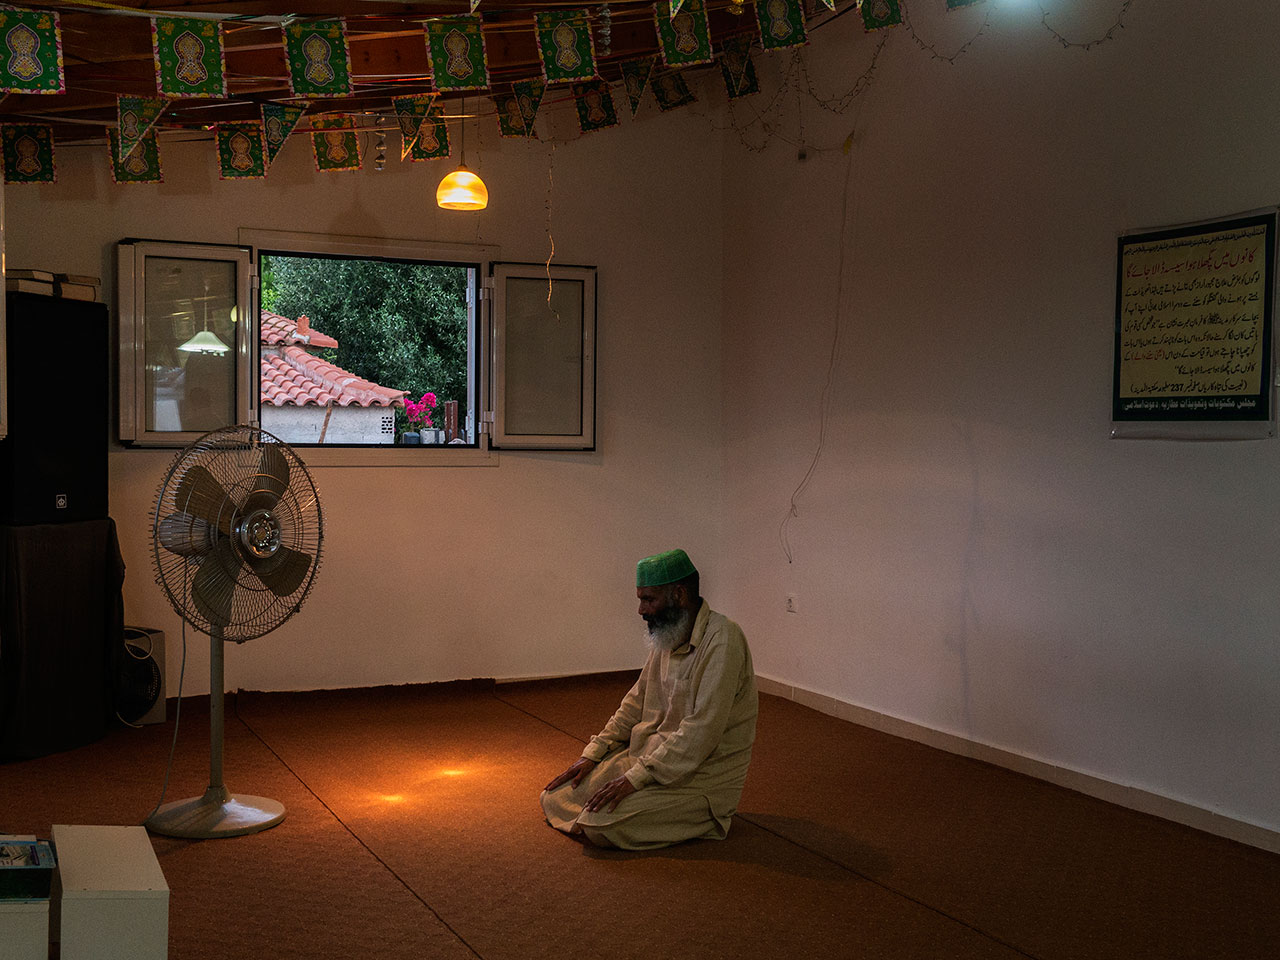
[[666, 638]]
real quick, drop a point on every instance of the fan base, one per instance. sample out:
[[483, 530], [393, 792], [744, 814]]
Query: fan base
[[216, 814]]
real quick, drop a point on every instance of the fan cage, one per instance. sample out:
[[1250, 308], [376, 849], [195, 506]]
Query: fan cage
[[201, 508]]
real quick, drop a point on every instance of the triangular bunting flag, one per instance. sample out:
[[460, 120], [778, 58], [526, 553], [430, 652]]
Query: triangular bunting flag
[[28, 153], [510, 119], [189, 57], [135, 118], [456, 48], [595, 106], [781, 23], [318, 57], [278, 122], [474, 5], [635, 77], [685, 38], [432, 142], [334, 140], [880, 13], [411, 111], [241, 155], [739, 72], [566, 45], [529, 94], [675, 6], [671, 90], [141, 164], [31, 52], [830, 4]]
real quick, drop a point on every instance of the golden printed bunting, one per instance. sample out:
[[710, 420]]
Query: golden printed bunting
[[739, 72], [635, 78], [31, 52], [685, 38], [880, 13], [411, 112], [136, 118], [595, 105], [278, 122], [433, 137], [455, 46], [671, 90], [189, 57], [141, 164], [510, 119], [241, 155], [565, 43], [781, 23], [334, 141], [318, 57], [28, 153], [529, 94]]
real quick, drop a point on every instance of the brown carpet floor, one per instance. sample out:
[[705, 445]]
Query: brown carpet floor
[[414, 831]]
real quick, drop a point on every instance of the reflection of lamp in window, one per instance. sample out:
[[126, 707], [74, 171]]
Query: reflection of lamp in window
[[462, 189], [206, 341]]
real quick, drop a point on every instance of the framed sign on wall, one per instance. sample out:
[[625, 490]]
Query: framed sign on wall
[[1194, 309]]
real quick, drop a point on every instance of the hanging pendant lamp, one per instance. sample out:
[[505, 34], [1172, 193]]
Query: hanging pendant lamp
[[462, 189]]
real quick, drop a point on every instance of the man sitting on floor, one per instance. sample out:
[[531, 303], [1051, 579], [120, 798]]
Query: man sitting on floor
[[670, 764]]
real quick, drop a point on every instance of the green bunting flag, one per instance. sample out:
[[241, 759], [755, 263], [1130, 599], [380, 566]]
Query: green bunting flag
[[189, 58], [781, 23], [671, 90], [510, 119], [595, 105], [278, 122], [335, 143], [141, 165], [675, 6], [456, 48], [28, 153], [30, 52], [565, 43], [529, 94], [739, 72], [135, 118], [635, 77], [880, 13], [411, 112], [240, 152], [433, 138], [318, 58], [685, 38], [830, 4]]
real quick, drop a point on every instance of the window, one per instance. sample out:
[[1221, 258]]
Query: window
[[356, 344]]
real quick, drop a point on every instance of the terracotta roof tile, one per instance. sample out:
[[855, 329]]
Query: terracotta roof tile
[[290, 375]]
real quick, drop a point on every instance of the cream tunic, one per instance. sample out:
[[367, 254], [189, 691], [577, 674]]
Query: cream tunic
[[682, 736]]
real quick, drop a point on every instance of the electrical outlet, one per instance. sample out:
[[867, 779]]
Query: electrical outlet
[[792, 605]]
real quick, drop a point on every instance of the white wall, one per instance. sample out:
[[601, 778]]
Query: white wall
[[435, 574], [973, 553]]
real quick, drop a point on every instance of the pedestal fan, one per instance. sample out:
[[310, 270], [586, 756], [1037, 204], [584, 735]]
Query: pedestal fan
[[236, 539]]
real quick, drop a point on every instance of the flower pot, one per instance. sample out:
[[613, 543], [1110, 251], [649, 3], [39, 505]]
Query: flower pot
[[409, 438]]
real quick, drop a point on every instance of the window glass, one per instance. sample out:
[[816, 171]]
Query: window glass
[[543, 384], [189, 354]]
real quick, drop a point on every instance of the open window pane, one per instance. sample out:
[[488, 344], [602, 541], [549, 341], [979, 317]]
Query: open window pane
[[544, 357]]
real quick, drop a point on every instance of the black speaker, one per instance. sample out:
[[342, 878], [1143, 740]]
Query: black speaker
[[53, 463]]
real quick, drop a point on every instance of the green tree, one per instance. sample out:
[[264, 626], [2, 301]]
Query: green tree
[[401, 325]]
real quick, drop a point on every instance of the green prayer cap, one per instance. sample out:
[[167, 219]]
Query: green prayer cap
[[663, 568]]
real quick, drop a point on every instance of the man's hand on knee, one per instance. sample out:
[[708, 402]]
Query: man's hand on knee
[[577, 770], [610, 793]]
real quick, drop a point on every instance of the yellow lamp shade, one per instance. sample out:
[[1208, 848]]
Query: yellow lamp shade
[[462, 190]]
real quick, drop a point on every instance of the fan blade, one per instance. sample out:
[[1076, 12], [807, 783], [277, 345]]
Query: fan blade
[[273, 472], [214, 584], [200, 495], [185, 535], [282, 572]]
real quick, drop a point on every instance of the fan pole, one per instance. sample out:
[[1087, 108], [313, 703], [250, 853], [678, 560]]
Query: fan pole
[[217, 813]]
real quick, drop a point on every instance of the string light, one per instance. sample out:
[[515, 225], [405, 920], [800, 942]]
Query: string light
[[1085, 45], [606, 31]]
